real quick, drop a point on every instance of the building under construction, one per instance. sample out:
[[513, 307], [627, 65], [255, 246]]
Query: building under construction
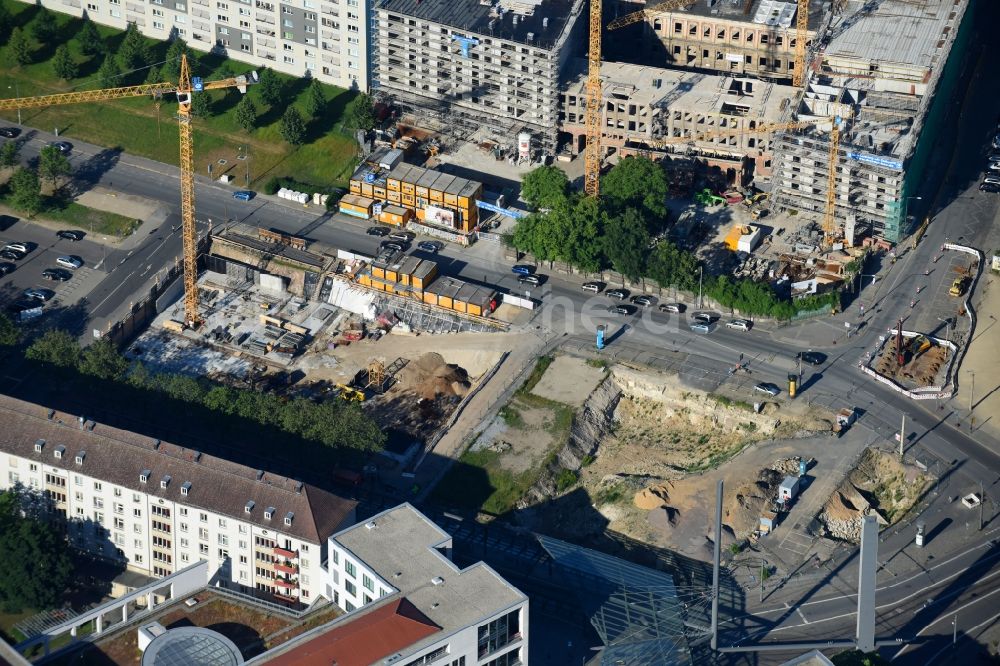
[[887, 70], [468, 66]]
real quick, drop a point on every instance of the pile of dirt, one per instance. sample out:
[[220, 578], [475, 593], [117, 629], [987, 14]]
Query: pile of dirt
[[743, 510], [430, 377], [654, 497]]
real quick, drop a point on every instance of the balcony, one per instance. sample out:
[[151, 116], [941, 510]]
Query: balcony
[[287, 554], [288, 599], [288, 585], [286, 568]]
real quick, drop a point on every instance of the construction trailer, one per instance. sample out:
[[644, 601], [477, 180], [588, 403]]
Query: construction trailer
[[788, 489]]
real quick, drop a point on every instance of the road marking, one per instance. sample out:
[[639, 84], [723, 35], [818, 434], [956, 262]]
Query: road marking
[[951, 614], [802, 615]]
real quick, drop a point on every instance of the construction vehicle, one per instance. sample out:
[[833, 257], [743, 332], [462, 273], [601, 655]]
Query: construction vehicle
[[349, 393], [709, 198], [186, 86], [755, 199], [959, 286]]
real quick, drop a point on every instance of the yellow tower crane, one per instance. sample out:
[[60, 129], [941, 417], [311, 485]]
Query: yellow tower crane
[[801, 35], [184, 88]]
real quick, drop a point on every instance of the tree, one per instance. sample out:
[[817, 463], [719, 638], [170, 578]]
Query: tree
[[626, 242], [37, 566], [18, 48], [545, 186], [133, 53], [201, 105], [10, 335], [292, 128], [639, 183], [109, 73], [246, 114], [63, 64], [172, 67], [101, 359], [25, 191], [671, 266], [8, 155], [5, 21], [360, 113], [315, 99], [45, 28], [52, 164], [269, 87], [89, 39], [154, 75], [585, 235], [55, 347]]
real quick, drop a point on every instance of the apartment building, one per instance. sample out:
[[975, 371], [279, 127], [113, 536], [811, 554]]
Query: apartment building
[[160, 507], [648, 109], [490, 67], [395, 578], [324, 39], [732, 36]]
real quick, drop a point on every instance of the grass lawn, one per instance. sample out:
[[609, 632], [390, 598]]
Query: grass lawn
[[478, 481], [7, 622], [140, 127]]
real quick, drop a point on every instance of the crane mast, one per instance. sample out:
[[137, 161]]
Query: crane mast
[[592, 154]]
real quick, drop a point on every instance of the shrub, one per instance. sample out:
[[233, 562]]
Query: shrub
[[567, 479]]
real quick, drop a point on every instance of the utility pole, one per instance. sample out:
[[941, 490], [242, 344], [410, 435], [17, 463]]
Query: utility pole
[[972, 400], [701, 270], [800, 367], [954, 629], [715, 565], [902, 436], [982, 501], [762, 564]]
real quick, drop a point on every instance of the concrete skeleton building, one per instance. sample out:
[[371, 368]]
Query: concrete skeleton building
[[645, 105], [160, 507], [324, 39], [469, 66], [888, 73]]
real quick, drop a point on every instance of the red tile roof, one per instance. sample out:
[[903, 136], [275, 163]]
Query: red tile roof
[[363, 640]]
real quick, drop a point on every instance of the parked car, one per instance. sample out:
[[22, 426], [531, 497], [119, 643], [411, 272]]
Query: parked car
[[378, 231], [401, 236], [768, 388], [812, 358], [992, 180], [70, 235], [57, 274], [621, 309], [6, 268], [672, 307], [39, 294], [22, 305], [522, 269], [593, 287], [63, 146], [389, 245], [430, 246], [989, 187], [244, 195], [13, 255], [529, 279], [644, 301], [703, 317], [70, 261], [993, 166], [17, 247], [620, 294], [700, 328], [739, 324], [9, 132]]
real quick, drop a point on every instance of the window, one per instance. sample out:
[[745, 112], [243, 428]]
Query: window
[[368, 583], [79, 511], [137, 513], [223, 540], [245, 47], [350, 569], [222, 523], [137, 543], [91, 7], [335, 556], [243, 559], [157, 12], [499, 633], [119, 508], [137, 528], [77, 480], [182, 20], [184, 527], [137, 559], [184, 542], [203, 548], [136, 497], [98, 485], [99, 517], [12, 477], [350, 588], [203, 534], [160, 511], [203, 517], [289, 60], [182, 510], [118, 492]]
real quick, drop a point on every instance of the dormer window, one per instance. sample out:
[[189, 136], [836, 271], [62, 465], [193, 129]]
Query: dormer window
[[289, 517], [39, 445], [185, 488], [249, 507], [60, 450], [165, 481], [80, 456], [144, 475], [269, 513]]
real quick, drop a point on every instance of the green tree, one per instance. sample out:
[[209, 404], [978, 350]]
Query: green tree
[[5, 21], [8, 155], [63, 64], [626, 243], [639, 183], [292, 128], [55, 347], [585, 235], [25, 191], [89, 39], [37, 566], [101, 359], [360, 113], [154, 75], [269, 87], [52, 164], [18, 49], [246, 114], [45, 28], [201, 105], [545, 187], [671, 266], [315, 99], [10, 335], [171, 70], [134, 52], [109, 73]]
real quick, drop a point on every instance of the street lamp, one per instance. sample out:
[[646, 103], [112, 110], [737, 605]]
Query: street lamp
[[17, 93]]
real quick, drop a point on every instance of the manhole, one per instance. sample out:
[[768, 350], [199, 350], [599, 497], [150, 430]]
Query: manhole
[[223, 162], [240, 157]]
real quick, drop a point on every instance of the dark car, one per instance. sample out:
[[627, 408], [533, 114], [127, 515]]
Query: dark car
[[703, 317], [378, 231], [522, 269], [989, 187], [644, 301], [13, 255], [39, 294], [812, 358], [70, 235], [620, 294], [63, 146], [9, 132], [57, 274], [244, 195], [389, 245], [430, 246], [529, 279], [22, 305], [621, 309], [6, 268]]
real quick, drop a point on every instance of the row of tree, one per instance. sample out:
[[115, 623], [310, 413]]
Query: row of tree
[[625, 232], [332, 423], [24, 189]]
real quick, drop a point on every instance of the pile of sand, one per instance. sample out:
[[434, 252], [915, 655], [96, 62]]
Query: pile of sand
[[430, 377], [651, 498]]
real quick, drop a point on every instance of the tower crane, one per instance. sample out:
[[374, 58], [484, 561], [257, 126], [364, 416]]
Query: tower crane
[[184, 89]]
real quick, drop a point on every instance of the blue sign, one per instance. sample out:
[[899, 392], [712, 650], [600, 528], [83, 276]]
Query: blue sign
[[464, 43], [509, 212], [197, 84], [875, 160], [369, 178]]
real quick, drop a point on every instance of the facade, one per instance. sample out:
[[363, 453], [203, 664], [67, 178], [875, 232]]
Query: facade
[[324, 39], [161, 507], [723, 37], [888, 75], [474, 66], [644, 107], [395, 571]]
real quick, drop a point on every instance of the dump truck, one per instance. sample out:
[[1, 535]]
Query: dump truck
[[959, 286]]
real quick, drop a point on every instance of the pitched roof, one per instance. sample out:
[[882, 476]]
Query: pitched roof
[[361, 639], [216, 484]]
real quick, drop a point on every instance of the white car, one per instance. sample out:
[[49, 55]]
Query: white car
[[739, 324], [18, 247], [69, 262]]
